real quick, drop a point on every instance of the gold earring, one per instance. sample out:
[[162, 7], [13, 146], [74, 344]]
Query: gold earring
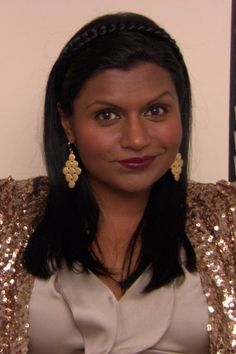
[[176, 167], [71, 169]]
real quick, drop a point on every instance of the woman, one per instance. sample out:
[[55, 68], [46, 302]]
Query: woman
[[115, 252]]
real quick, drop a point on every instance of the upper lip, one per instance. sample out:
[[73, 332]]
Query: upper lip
[[137, 159]]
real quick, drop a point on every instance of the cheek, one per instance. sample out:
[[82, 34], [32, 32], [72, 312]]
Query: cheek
[[93, 143], [168, 135], [176, 133]]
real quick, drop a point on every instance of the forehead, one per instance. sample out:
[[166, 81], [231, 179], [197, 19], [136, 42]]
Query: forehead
[[140, 80]]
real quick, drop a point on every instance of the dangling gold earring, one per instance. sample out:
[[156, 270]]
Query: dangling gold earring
[[71, 169], [176, 167]]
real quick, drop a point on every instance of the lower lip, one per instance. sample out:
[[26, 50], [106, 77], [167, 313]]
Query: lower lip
[[136, 165]]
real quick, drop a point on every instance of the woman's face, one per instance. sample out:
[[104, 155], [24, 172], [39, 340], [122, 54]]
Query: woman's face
[[127, 127]]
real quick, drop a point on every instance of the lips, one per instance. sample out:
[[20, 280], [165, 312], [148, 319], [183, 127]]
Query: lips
[[137, 162]]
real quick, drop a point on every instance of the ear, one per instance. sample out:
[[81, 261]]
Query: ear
[[66, 123]]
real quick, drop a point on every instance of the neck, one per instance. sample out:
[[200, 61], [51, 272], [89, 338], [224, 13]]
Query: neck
[[118, 206], [120, 214]]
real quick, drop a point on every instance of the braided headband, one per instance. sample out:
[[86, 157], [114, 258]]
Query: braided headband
[[79, 40]]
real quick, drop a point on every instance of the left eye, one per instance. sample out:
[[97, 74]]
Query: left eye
[[155, 111]]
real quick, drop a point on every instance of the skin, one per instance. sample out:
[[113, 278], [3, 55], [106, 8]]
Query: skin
[[118, 115]]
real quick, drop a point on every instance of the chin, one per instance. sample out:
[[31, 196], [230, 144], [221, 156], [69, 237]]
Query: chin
[[136, 187], [142, 184]]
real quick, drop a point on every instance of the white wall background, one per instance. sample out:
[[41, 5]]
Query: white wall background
[[32, 32]]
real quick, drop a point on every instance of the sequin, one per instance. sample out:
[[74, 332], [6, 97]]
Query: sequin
[[229, 301], [209, 328], [210, 238], [8, 266], [219, 280], [231, 315], [1, 219], [211, 309], [8, 240]]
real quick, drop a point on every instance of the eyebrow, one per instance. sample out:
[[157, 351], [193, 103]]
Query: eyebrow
[[103, 102]]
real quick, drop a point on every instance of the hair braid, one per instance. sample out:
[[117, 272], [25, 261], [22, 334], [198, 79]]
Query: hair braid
[[82, 38]]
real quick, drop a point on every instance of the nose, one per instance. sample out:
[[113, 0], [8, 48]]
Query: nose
[[135, 134]]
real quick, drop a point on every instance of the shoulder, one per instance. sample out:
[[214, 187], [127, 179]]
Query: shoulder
[[29, 186], [10, 187], [15, 196], [212, 202], [207, 193]]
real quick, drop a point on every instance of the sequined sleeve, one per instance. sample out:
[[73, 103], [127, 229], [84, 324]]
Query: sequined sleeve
[[21, 205], [211, 227]]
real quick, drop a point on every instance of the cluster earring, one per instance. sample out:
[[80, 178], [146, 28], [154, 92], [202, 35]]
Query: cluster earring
[[71, 169], [176, 167]]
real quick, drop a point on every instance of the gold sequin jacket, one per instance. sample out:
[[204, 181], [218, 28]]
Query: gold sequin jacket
[[211, 228]]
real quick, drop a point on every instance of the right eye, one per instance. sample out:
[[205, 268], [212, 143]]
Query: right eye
[[107, 115]]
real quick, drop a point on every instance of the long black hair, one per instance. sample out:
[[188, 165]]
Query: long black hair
[[69, 225]]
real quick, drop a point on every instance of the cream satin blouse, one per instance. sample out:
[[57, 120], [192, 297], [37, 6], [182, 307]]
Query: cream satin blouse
[[75, 313]]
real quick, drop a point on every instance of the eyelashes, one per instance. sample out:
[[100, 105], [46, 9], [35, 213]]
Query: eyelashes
[[107, 115], [156, 111]]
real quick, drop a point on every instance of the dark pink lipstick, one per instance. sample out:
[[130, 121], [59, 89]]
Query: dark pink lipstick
[[137, 162]]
